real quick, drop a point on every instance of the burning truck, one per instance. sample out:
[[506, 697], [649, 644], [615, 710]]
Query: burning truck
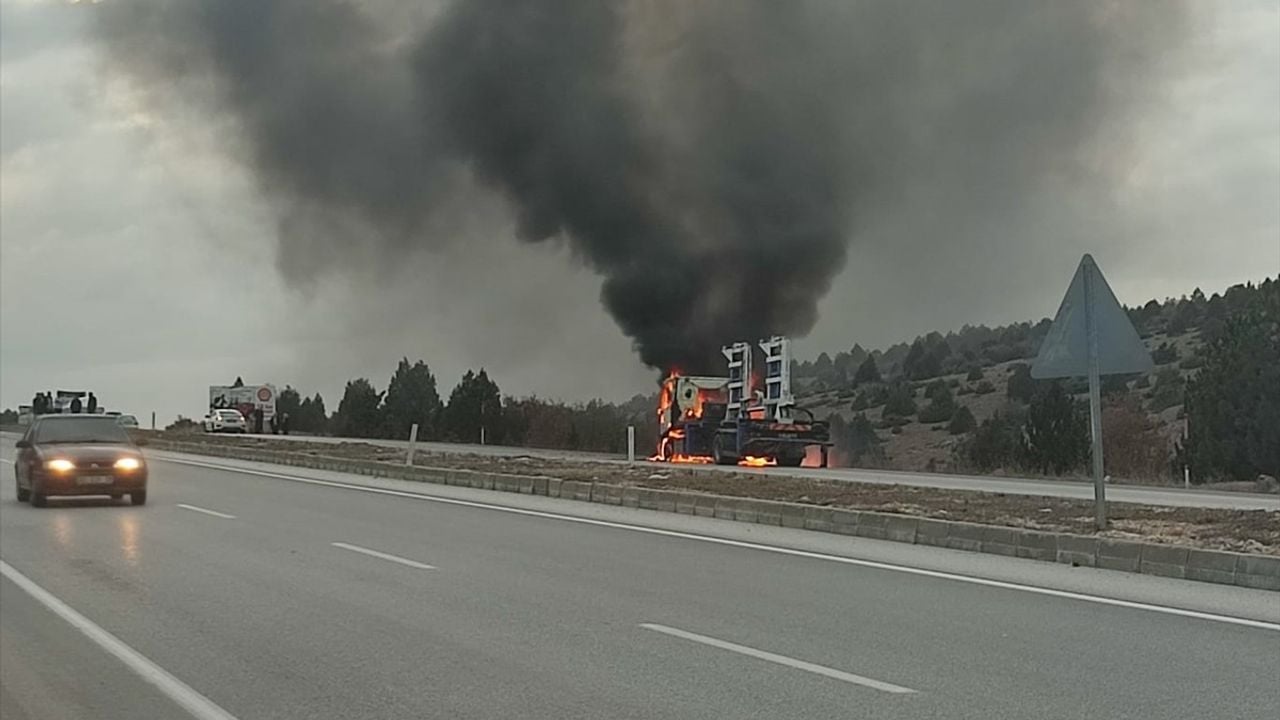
[[746, 418]]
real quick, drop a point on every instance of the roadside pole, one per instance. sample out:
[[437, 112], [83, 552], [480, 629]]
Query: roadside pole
[[1091, 336], [631, 444], [1095, 408], [153, 419], [413, 440]]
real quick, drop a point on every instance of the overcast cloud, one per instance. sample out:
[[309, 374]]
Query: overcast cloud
[[138, 256]]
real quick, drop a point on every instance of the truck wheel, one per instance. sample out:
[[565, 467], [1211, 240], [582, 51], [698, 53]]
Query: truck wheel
[[23, 494], [39, 499], [718, 452], [790, 461], [138, 497]]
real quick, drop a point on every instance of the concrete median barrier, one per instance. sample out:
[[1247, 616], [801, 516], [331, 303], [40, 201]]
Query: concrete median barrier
[[1177, 561]]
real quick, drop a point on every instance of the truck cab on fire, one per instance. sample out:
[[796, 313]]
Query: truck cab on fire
[[744, 418]]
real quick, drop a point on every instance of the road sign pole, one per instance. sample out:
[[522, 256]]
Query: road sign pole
[[1095, 407], [631, 444]]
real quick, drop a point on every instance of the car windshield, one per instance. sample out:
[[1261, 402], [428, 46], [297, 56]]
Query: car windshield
[[80, 430]]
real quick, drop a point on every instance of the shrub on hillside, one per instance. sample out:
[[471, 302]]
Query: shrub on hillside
[[1164, 354], [935, 389], [859, 402], [183, 424], [994, 444], [901, 401], [1132, 446], [961, 421], [1168, 390], [941, 404], [1021, 385], [856, 442], [984, 388], [975, 374], [1195, 362]]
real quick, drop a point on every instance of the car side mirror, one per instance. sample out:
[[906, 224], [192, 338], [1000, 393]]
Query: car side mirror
[[22, 444]]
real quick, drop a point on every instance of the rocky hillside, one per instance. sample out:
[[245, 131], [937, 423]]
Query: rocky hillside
[[915, 406]]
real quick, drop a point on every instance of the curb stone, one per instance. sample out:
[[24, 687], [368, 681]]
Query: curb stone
[[1178, 561]]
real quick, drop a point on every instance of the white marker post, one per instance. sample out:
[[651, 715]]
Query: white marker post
[[631, 444], [413, 439]]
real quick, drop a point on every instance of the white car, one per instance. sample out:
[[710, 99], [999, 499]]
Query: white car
[[225, 420], [127, 421]]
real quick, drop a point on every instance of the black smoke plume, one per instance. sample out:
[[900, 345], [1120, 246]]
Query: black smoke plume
[[710, 159]]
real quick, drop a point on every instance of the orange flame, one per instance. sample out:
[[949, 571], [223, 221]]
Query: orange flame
[[753, 461]]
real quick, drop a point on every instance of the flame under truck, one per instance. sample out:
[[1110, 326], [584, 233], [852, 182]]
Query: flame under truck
[[747, 418]]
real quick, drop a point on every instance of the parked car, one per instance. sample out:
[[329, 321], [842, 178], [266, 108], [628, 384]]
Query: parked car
[[225, 420], [127, 421], [78, 455]]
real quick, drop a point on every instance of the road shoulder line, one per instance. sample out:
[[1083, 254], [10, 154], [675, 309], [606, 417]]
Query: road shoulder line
[[184, 695]]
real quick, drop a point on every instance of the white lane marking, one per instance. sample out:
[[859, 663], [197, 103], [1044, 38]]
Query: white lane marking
[[206, 511], [1067, 594], [184, 695], [384, 556], [781, 659]]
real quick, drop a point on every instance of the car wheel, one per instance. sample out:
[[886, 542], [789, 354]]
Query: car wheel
[[39, 499], [116, 496], [138, 497], [23, 494]]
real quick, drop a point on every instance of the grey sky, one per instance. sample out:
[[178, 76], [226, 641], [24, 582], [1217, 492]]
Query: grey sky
[[138, 259]]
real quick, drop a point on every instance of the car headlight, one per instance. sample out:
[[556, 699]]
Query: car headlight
[[60, 465], [128, 463]]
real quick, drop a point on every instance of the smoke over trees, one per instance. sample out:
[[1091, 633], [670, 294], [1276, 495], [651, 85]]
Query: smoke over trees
[[710, 161]]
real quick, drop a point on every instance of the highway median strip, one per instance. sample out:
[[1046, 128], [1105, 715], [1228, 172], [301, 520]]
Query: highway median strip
[[1169, 558]]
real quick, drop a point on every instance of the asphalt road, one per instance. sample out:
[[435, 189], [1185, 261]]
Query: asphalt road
[[270, 597], [1166, 496]]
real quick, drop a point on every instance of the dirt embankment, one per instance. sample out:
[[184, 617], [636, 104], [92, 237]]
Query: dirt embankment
[[1254, 531]]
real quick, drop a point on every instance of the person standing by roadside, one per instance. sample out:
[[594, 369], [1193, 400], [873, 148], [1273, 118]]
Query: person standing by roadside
[[76, 405]]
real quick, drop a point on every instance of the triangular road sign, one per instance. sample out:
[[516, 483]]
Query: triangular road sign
[[1090, 305]]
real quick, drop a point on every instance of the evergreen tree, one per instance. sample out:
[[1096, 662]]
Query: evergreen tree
[[1056, 433], [1233, 403], [411, 398], [961, 421], [359, 413], [867, 372], [474, 403]]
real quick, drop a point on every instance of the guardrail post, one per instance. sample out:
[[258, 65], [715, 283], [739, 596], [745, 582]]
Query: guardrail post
[[413, 439], [631, 444]]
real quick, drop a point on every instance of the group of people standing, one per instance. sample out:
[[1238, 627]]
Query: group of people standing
[[42, 404]]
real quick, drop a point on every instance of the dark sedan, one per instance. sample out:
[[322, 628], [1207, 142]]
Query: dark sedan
[[79, 455]]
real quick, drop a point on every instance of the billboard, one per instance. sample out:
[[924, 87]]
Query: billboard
[[245, 398]]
